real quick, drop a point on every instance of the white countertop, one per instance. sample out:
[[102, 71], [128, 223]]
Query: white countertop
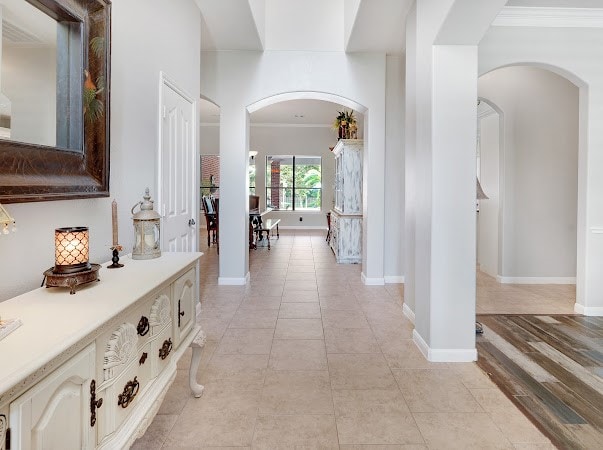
[[53, 320]]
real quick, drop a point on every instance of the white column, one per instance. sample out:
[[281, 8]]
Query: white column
[[410, 149], [234, 196], [589, 283]]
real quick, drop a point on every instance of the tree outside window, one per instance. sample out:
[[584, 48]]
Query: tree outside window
[[293, 183]]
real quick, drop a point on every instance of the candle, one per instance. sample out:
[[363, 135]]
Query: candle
[[114, 222]]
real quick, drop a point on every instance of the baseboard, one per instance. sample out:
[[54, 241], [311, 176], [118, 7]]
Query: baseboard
[[298, 227], [443, 354], [232, 281], [536, 280], [394, 279], [371, 281], [588, 310], [409, 313]]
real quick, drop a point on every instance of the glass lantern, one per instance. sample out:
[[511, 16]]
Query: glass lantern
[[147, 244]]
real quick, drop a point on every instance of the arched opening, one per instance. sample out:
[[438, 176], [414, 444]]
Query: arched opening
[[529, 146], [292, 169]]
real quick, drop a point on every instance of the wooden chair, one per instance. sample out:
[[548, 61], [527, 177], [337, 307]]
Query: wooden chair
[[210, 208]]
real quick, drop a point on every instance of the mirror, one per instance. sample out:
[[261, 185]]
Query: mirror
[[54, 99]]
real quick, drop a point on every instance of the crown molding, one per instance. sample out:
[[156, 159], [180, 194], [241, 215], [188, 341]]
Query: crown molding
[[275, 125], [527, 16]]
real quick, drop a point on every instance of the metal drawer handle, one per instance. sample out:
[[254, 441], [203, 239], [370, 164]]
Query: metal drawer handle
[[130, 391], [143, 326], [94, 403], [165, 350]]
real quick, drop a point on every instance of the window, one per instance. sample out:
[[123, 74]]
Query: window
[[251, 173], [293, 183]]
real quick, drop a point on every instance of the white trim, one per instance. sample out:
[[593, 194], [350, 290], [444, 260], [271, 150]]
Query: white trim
[[394, 279], [198, 309], [522, 16], [536, 280], [298, 227], [371, 281], [232, 281], [274, 125], [302, 95], [443, 354], [420, 343], [409, 313], [588, 310]]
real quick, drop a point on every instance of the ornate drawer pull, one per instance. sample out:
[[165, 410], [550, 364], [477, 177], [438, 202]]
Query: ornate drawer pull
[[130, 391], [165, 350], [94, 403], [143, 326], [142, 359]]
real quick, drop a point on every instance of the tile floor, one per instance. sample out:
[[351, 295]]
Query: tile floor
[[307, 357]]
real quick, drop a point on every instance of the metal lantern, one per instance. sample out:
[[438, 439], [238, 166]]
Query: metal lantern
[[146, 230]]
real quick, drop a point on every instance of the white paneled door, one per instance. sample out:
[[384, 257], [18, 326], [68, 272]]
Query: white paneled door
[[178, 174]]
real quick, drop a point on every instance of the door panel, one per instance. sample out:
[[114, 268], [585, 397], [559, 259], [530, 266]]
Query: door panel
[[178, 172]]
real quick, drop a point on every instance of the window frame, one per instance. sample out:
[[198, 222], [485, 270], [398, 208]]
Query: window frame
[[293, 187]]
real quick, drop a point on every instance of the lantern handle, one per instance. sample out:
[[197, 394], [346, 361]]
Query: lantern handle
[[134, 207]]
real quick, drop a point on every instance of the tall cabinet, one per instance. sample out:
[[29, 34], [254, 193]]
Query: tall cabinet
[[346, 216]]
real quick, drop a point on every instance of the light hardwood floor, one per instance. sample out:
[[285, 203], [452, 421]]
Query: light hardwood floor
[[308, 357]]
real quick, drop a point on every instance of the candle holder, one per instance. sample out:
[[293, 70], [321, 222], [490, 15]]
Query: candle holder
[[116, 265]]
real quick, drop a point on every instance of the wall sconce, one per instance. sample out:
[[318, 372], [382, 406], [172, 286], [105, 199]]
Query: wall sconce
[[71, 265], [7, 223]]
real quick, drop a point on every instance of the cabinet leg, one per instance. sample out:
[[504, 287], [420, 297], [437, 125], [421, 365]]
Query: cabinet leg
[[197, 346]]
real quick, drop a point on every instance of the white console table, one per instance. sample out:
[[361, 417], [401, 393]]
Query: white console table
[[90, 370]]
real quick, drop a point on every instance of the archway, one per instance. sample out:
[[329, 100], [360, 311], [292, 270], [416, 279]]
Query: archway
[[540, 142], [293, 132]]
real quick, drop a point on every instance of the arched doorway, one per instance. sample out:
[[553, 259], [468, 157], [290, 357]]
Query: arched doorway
[[529, 149]]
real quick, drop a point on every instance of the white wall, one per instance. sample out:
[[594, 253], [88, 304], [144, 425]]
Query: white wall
[[235, 80], [286, 25], [540, 170], [29, 79], [163, 37], [488, 216], [394, 170]]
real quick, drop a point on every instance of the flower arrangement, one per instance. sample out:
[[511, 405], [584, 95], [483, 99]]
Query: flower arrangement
[[345, 123]]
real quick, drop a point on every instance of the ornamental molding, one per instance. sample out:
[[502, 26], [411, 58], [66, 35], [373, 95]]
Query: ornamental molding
[[121, 347], [160, 311], [528, 16], [3, 428]]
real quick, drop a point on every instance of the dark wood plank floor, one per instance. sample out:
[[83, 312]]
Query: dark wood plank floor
[[551, 367]]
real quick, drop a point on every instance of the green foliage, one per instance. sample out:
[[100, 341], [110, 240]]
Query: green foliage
[[97, 45]]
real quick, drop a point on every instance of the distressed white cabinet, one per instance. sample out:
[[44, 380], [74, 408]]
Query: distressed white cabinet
[[346, 216], [90, 370]]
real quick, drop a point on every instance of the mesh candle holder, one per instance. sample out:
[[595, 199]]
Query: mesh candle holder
[[71, 265]]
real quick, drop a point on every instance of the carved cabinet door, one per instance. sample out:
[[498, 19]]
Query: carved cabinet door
[[55, 414], [184, 297]]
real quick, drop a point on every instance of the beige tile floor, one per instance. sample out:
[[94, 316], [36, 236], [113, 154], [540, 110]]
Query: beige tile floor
[[307, 357]]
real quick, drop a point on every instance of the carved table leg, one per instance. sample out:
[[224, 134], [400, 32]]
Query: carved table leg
[[197, 346]]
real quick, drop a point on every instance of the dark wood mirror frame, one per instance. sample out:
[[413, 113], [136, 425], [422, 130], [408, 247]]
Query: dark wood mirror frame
[[34, 173]]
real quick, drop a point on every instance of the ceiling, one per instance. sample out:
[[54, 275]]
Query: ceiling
[[315, 25], [303, 113], [24, 24]]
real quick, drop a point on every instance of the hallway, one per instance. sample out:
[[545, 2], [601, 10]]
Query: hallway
[[306, 356]]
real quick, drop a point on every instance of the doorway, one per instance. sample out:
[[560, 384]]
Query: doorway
[[528, 143]]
